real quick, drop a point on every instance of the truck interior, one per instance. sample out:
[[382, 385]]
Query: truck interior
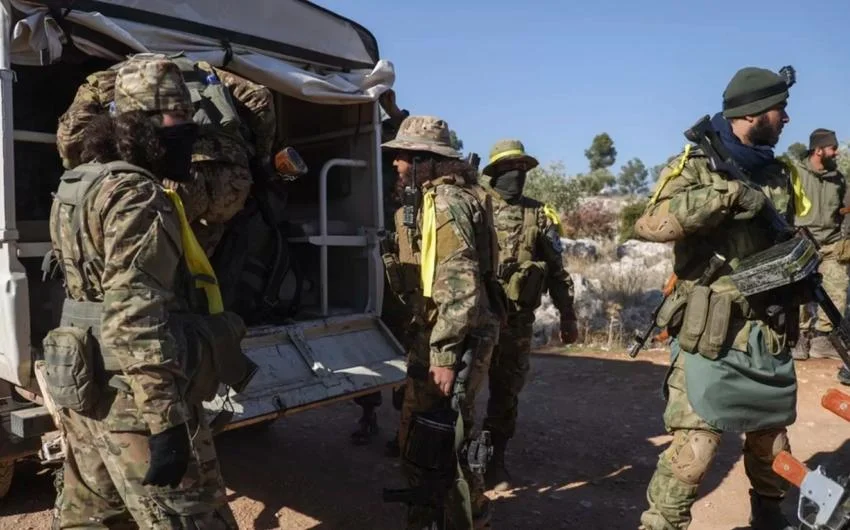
[[334, 346]]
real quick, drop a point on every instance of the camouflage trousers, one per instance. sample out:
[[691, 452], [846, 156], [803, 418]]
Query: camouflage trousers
[[103, 488], [683, 465], [421, 395], [508, 371], [835, 283]]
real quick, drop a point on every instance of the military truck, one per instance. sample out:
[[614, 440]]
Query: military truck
[[326, 75]]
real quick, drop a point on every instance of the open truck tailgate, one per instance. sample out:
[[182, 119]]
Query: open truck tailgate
[[312, 363]]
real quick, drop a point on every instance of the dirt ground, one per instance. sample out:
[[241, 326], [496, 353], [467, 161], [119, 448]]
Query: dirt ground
[[589, 435]]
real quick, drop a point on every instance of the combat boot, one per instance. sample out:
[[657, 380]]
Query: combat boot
[[497, 477], [766, 513], [368, 428], [821, 348]]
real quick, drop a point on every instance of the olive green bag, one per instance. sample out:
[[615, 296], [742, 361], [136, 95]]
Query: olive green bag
[[69, 355], [525, 286]]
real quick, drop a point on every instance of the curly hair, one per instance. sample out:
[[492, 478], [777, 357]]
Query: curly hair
[[131, 136], [138, 142], [430, 166], [98, 144]]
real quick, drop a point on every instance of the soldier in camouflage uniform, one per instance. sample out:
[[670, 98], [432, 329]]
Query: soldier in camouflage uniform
[[240, 127], [440, 266], [530, 262], [138, 448], [826, 188], [731, 368]]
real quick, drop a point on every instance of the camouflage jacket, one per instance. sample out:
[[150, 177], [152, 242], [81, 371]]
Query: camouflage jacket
[[526, 234], [701, 202], [459, 305], [254, 105], [127, 254], [826, 191]]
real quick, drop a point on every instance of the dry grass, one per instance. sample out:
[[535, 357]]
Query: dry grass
[[623, 293]]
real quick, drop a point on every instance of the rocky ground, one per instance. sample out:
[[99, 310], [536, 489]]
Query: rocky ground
[[589, 434], [616, 288]]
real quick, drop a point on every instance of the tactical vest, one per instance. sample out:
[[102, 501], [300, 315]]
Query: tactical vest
[[404, 270], [522, 277], [73, 354], [74, 360]]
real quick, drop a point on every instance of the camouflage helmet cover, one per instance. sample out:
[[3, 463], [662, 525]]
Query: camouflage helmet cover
[[424, 133], [151, 83]]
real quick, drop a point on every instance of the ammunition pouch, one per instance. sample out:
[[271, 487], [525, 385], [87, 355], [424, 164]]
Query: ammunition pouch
[[524, 283], [210, 98], [71, 377], [77, 365], [671, 311], [705, 322]]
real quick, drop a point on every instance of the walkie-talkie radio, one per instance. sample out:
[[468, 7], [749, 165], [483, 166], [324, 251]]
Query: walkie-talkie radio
[[411, 198]]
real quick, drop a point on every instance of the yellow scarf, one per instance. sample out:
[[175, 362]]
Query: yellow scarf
[[429, 243], [802, 204], [196, 258]]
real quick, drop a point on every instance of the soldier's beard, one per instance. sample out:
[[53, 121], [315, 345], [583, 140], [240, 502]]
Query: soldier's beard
[[763, 133], [829, 164]]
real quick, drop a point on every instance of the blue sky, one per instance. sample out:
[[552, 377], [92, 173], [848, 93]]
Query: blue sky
[[555, 73]]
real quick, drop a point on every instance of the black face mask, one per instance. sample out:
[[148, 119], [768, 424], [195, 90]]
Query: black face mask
[[178, 141], [509, 184]]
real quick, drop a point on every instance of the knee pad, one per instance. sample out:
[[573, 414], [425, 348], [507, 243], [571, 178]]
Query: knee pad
[[694, 451], [765, 445]]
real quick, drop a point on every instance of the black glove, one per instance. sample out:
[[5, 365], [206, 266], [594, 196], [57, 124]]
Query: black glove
[[170, 454]]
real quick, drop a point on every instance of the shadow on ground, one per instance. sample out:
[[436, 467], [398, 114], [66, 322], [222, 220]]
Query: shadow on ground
[[589, 435]]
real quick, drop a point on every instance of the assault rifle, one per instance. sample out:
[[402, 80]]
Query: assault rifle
[[433, 448], [824, 502], [793, 259]]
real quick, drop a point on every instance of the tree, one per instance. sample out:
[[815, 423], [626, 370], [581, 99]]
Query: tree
[[550, 185], [456, 142], [629, 216], [844, 159], [632, 177], [594, 182], [656, 171], [601, 154], [797, 150]]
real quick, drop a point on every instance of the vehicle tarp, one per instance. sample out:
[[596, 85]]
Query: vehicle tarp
[[292, 46]]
